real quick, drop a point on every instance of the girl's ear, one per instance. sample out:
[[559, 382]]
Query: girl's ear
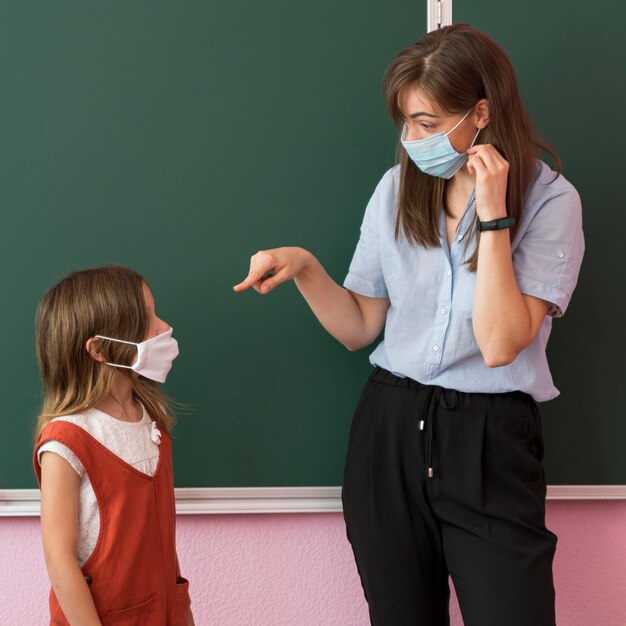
[[92, 345], [481, 114]]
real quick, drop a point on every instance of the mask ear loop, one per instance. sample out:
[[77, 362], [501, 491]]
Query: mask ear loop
[[459, 122], [405, 129], [475, 137], [130, 343]]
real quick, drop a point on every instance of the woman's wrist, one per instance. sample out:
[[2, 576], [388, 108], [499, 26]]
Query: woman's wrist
[[487, 214], [306, 262]]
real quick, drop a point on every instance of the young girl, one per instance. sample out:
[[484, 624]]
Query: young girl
[[468, 250], [103, 454]]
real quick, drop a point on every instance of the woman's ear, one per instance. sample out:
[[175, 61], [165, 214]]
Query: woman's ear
[[92, 345], [481, 114]]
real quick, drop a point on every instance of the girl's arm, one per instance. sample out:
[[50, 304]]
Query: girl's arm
[[505, 321], [59, 527], [354, 320]]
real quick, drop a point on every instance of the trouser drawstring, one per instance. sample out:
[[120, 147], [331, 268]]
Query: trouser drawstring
[[437, 398]]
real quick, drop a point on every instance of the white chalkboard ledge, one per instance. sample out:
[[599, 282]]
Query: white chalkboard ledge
[[225, 501]]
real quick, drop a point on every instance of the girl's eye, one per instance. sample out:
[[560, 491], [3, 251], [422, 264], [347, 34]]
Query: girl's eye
[[426, 125]]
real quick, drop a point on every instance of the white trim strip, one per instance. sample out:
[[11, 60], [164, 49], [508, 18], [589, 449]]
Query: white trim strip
[[438, 14], [259, 500], [19, 502], [227, 501]]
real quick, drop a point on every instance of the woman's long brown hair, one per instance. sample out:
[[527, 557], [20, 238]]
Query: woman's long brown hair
[[105, 301], [455, 67]]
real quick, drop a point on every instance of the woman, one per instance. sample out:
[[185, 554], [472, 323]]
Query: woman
[[468, 249]]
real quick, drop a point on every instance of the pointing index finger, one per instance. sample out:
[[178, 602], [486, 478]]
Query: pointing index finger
[[259, 270]]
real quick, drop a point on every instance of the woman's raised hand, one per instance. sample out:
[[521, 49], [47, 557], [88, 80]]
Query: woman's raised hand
[[269, 268], [491, 171]]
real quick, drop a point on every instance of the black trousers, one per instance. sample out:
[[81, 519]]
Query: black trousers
[[437, 483]]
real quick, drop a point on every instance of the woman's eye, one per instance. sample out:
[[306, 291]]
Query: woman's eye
[[426, 125]]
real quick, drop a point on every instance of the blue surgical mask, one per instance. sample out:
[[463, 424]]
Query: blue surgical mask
[[435, 155]]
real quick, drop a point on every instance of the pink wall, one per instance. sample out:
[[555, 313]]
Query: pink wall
[[297, 570]]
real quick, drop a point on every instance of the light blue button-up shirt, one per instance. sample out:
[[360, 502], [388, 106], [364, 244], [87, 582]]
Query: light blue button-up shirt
[[428, 333]]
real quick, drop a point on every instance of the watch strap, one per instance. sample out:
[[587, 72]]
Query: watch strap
[[499, 224]]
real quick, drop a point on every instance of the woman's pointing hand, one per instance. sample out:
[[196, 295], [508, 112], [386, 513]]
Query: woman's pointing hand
[[269, 268]]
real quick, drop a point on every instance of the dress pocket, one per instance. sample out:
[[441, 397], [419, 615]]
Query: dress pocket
[[182, 603], [148, 613]]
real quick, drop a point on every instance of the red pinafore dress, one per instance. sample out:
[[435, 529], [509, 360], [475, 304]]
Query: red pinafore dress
[[132, 573]]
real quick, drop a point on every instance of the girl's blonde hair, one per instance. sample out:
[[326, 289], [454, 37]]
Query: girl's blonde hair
[[101, 301]]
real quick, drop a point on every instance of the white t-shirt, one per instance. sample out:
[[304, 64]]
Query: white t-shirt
[[136, 443]]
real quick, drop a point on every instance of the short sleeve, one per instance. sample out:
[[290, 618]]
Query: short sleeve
[[63, 451], [365, 275], [548, 257]]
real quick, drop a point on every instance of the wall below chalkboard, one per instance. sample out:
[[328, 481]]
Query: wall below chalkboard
[[239, 568]]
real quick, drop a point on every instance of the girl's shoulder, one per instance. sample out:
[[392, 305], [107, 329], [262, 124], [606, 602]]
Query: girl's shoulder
[[134, 442], [104, 428], [90, 420], [79, 419], [50, 431]]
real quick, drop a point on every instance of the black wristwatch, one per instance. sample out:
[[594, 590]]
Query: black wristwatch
[[499, 224]]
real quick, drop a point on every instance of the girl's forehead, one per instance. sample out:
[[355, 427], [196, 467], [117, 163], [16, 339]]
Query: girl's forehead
[[147, 294]]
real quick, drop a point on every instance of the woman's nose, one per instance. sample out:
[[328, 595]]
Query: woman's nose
[[410, 134]]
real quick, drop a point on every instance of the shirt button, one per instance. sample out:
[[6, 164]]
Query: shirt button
[[460, 237], [449, 272], [435, 348], [561, 255], [444, 311]]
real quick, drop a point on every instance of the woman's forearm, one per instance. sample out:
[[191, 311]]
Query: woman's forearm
[[340, 313], [354, 320], [501, 319]]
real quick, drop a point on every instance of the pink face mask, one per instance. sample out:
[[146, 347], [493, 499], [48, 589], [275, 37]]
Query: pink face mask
[[154, 356]]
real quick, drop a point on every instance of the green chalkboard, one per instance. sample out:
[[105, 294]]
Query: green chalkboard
[[181, 137], [570, 63]]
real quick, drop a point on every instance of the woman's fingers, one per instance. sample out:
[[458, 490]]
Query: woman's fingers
[[260, 264], [486, 161], [475, 165], [249, 281], [273, 281], [491, 171], [273, 267], [245, 284], [492, 159]]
